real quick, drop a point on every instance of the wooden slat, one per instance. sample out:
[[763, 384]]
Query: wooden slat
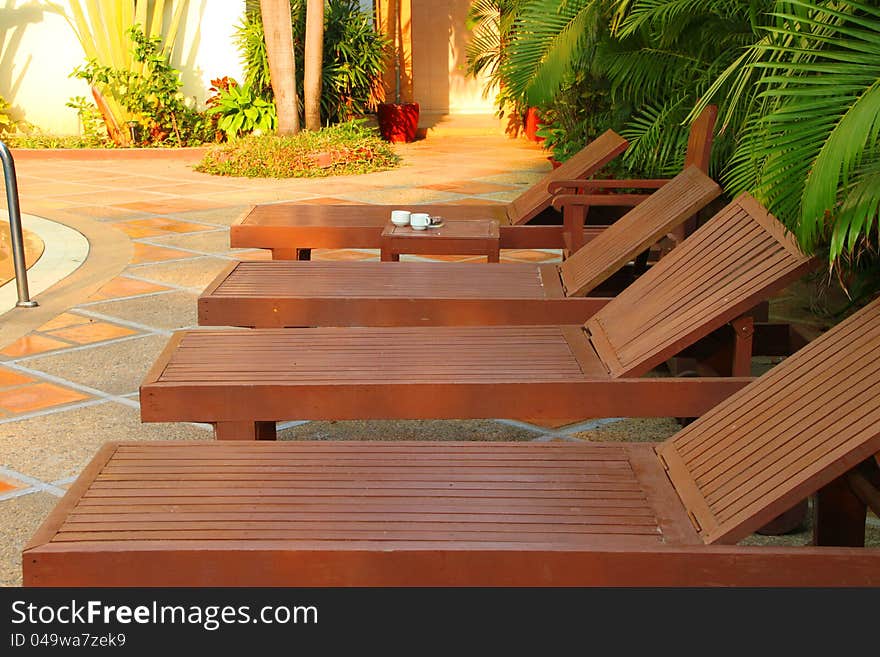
[[343, 280], [582, 164], [495, 494], [725, 268], [637, 230], [794, 430], [362, 355]]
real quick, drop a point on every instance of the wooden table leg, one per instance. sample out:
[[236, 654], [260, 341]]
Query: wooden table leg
[[387, 256], [244, 431], [284, 254], [494, 254], [291, 254]]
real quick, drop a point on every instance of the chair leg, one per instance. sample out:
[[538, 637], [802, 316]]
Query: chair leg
[[244, 431], [744, 330], [573, 219], [839, 516]]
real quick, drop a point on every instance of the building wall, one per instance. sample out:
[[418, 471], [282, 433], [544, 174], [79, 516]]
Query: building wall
[[439, 39], [433, 57], [38, 51]]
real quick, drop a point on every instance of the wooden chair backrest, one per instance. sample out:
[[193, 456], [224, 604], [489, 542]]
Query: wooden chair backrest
[[699, 148], [739, 258], [582, 164], [671, 205], [797, 428]]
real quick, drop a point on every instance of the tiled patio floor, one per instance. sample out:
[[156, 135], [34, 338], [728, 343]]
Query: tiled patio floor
[[71, 383]]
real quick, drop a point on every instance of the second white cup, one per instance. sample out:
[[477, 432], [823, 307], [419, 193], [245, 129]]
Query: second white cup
[[419, 220]]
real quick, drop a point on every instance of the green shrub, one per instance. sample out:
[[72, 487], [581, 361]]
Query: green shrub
[[351, 83], [347, 148]]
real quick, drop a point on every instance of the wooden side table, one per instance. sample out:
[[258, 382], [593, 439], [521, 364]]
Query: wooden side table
[[459, 237]]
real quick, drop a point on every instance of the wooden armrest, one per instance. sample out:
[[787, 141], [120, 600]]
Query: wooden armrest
[[580, 200], [646, 183]]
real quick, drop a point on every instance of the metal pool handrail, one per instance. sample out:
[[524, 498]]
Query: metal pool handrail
[[24, 300]]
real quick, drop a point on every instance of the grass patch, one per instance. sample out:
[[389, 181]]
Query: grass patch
[[46, 140], [344, 149]]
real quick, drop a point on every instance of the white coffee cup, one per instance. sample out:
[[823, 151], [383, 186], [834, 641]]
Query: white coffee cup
[[400, 217], [420, 220]]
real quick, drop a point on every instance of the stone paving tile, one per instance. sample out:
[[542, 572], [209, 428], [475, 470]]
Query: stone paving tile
[[153, 226], [208, 242], [167, 311], [632, 429], [125, 287], [219, 217], [116, 368], [37, 397], [407, 430], [21, 518], [196, 272], [39, 448]]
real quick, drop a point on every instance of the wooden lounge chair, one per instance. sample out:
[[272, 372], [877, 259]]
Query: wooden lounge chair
[[290, 230], [499, 514], [575, 197], [242, 381], [290, 293]]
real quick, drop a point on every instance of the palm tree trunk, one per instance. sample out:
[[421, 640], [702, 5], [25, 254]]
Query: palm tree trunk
[[279, 48], [313, 63]]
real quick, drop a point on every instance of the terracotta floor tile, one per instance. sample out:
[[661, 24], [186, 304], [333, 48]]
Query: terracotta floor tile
[[5, 486], [123, 198], [125, 287], [12, 378], [37, 397], [149, 253], [469, 187], [451, 258], [94, 332], [527, 256], [170, 206], [32, 344], [256, 254], [326, 200], [189, 188], [64, 320], [471, 201], [135, 231], [342, 254], [171, 226]]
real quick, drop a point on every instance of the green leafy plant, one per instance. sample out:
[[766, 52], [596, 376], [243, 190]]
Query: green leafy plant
[[94, 129], [343, 149], [7, 123], [492, 25], [240, 111], [151, 95]]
